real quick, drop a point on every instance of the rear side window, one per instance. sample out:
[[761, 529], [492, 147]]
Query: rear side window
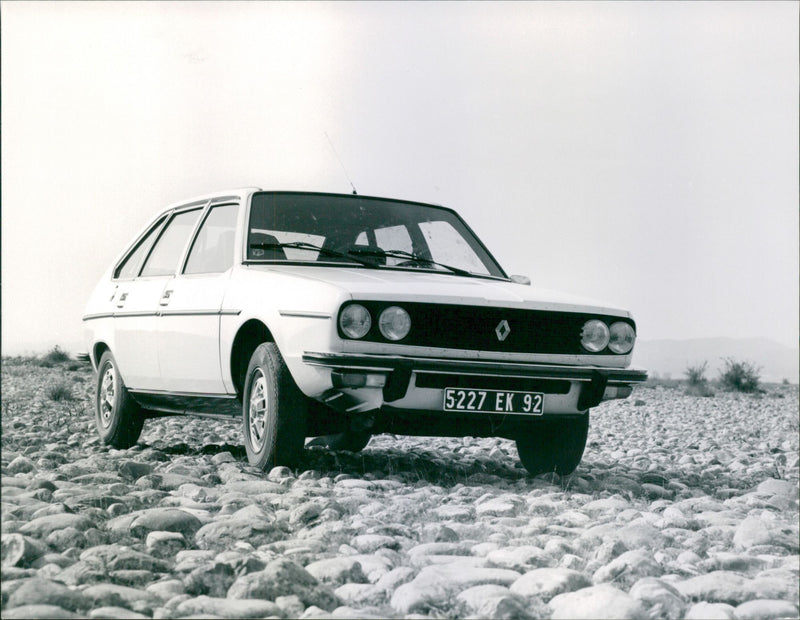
[[163, 260], [129, 268], [212, 251]]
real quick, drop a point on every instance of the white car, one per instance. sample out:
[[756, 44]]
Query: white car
[[341, 316]]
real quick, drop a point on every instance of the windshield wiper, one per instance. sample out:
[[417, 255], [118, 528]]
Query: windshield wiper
[[302, 245], [410, 256]]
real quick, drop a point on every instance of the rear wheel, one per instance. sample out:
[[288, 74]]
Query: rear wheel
[[118, 418], [553, 445], [273, 411]]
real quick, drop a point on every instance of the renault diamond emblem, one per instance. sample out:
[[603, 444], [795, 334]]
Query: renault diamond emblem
[[502, 330]]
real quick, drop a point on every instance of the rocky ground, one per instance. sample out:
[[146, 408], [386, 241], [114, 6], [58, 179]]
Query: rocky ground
[[683, 507]]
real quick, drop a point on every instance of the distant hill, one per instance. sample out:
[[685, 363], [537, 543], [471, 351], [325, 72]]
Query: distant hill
[[670, 358]]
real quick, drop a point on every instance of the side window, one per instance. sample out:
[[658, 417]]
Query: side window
[[163, 260], [129, 267], [212, 250]]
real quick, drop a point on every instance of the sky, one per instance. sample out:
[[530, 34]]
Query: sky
[[642, 154]]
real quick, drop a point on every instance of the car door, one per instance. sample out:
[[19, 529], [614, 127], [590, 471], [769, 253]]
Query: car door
[[137, 303], [190, 306]]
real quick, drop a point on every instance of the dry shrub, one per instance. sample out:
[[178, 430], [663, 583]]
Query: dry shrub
[[696, 380], [740, 376], [56, 355], [60, 392]]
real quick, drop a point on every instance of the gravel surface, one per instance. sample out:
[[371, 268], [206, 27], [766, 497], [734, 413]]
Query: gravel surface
[[683, 507]]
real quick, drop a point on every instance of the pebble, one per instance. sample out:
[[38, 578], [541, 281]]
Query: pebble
[[596, 602], [181, 526], [545, 583], [434, 584]]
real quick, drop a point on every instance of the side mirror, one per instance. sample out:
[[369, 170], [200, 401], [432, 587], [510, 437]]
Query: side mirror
[[521, 280]]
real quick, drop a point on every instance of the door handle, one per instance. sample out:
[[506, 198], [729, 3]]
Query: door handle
[[165, 298], [121, 300]]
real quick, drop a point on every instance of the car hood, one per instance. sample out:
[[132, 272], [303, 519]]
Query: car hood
[[422, 286]]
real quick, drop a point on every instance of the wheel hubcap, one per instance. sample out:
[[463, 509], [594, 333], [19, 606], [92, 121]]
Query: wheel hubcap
[[257, 414], [107, 394]]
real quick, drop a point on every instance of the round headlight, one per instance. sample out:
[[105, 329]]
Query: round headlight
[[621, 337], [394, 323], [594, 336], [355, 321]]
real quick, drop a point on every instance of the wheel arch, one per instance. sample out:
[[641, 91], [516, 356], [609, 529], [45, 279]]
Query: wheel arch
[[251, 334], [97, 352]]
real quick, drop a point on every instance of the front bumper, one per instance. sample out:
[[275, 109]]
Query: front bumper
[[593, 384]]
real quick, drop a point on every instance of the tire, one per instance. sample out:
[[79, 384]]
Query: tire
[[118, 418], [273, 411], [351, 441], [553, 445]]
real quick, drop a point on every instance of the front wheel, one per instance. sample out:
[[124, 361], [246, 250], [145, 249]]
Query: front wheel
[[553, 445], [273, 411], [118, 418]]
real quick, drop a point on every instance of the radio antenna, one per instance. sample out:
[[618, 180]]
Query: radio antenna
[[336, 155]]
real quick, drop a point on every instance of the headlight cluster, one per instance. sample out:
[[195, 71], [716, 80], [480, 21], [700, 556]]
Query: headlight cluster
[[394, 322], [596, 336]]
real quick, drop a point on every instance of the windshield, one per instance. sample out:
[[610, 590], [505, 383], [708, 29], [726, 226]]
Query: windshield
[[336, 229]]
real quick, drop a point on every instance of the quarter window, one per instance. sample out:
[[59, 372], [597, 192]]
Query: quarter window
[[129, 268], [163, 260], [212, 251]]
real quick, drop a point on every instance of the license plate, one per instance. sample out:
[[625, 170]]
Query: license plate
[[493, 401]]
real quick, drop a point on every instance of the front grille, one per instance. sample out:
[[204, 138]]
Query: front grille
[[519, 384], [476, 328]]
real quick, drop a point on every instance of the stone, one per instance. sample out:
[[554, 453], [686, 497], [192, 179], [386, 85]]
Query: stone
[[227, 608], [39, 611], [164, 520], [661, 599], [20, 465], [710, 611], [211, 579], [166, 589], [627, 568], [606, 505], [110, 595], [503, 506], [370, 543], [766, 609], [66, 538], [773, 486], [358, 568], [131, 470], [715, 587], [599, 602], [545, 583], [640, 534], [19, 550], [165, 544], [283, 577], [434, 584], [119, 557], [82, 573], [115, 612], [496, 602], [254, 487], [46, 592], [356, 593], [43, 526], [224, 533], [520, 559]]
